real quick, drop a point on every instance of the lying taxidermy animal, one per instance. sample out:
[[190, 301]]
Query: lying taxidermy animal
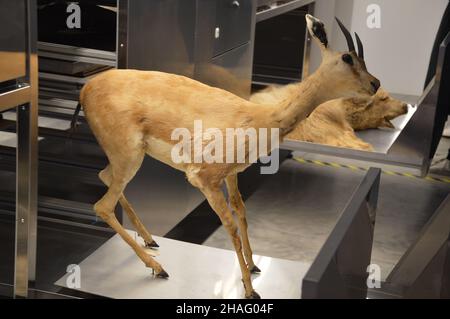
[[133, 113], [334, 123]]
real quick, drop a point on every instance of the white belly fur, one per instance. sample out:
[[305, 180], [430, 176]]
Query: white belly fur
[[161, 151]]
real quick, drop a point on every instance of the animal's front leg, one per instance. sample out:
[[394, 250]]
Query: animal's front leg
[[136, 221], [238, 206], [217, 201]]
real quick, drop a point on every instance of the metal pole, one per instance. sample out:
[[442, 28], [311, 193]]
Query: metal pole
[[22, 202], [33, 136], [26, 169]]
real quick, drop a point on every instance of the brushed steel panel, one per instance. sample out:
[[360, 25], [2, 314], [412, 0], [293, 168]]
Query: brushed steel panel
[[234, 21], [115, 271], [231, 71], [12, 40], [161, 35]]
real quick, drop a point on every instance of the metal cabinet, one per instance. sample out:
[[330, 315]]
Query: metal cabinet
[[12, 40], [224, 44], [230, 71], [233, 24], [158, 35], [184, 37]]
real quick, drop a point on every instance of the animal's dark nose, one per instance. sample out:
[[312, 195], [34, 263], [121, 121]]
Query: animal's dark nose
[[375, 85], [405, 108]]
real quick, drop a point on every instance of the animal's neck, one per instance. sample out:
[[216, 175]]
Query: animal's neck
[[299, 103]]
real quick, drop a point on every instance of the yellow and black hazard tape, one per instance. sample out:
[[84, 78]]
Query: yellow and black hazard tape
[[364, 169]]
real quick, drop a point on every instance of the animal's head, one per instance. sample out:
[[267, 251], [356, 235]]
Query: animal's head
[[344, 73], [376, 111]]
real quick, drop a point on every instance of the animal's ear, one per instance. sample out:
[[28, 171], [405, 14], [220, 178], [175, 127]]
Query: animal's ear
[[382, 94], [318, 32], [361, 102], [386, 123]]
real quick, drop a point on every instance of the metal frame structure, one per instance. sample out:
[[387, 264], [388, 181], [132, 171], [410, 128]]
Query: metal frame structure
[[340, 268], [423, 271], [280, 8], [24, 99]]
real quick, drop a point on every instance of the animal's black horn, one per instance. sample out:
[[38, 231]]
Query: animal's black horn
[[360, 46], [348, 36]]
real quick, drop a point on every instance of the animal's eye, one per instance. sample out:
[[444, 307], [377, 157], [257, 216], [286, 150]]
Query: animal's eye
[[347, 58]]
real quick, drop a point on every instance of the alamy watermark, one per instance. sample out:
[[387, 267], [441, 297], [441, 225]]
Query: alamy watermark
[[374, 278], [230, 145], [374, 18], [73, 280], [73, 21]]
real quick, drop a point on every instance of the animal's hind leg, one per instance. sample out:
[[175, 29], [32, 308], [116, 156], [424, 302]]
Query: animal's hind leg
[[123, 170], [105, 177], [238, 207]]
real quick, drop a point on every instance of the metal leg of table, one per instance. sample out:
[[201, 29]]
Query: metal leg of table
[[22, 201]]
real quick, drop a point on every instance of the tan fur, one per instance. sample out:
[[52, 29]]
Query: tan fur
[[133, 113], [334, 123]]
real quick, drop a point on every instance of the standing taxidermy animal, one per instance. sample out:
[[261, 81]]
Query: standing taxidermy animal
[[133, 113], [334, 122]]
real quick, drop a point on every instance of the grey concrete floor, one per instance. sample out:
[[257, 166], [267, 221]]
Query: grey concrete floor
[[292, 214]]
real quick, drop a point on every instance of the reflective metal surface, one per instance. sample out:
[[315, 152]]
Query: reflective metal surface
[[24, 97], [233, 22], [160, 35], [224, 61], [195, 272], [230, 71], [280, 7], [423, 271], [340, 268], [70, 53], [12, 40], [22, 202], [16, 96], [32, 155]]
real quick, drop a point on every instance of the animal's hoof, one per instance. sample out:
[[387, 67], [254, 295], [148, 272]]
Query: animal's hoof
[[253, 295], [162, 274], [153, 244], [255, 270]]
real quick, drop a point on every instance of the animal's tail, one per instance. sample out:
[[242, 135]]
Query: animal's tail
[[73, 123]]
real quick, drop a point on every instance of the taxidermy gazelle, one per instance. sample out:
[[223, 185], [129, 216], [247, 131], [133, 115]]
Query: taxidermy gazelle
[[133, 113], [335, 122]]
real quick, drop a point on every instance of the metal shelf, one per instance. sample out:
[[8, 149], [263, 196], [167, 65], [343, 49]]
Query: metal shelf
[[71, 53], [381, 139], [277, 9], [407, 146]]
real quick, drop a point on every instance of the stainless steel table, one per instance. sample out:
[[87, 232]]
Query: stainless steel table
[[196, 272]]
